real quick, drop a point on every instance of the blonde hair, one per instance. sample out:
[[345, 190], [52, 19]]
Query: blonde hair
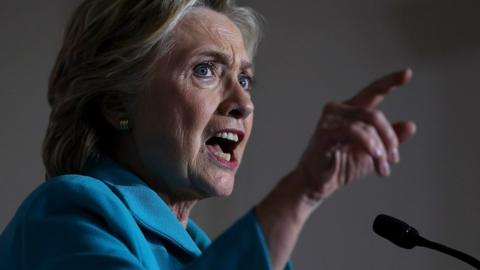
[[107, 57]]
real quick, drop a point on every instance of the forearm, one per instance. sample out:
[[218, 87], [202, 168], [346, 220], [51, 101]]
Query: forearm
[[281, 216]]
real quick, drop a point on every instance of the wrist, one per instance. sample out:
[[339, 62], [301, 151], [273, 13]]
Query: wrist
[[282, 215], [289, 200], [303, 200]]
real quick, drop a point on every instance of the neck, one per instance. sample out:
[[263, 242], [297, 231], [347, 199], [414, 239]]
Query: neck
[[179, 205], [180, 208]]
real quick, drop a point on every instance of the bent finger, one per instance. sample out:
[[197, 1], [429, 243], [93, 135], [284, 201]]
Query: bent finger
[[375, 118], [367, 137], [384, 130], [404, 130]]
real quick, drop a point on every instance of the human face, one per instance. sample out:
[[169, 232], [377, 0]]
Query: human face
[[201, 89]]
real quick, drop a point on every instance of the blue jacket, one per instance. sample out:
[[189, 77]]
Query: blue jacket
[[110, 219]]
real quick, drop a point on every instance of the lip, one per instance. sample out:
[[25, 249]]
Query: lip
[[233, 163]]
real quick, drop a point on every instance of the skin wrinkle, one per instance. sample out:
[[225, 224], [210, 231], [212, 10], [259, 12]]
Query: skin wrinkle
[[219, 35], [181, 111]]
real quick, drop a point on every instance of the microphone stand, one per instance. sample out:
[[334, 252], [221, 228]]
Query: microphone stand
[[405, 236], [423, 242]]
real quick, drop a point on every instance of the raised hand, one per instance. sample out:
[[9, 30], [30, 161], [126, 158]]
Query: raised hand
[[353, 138]]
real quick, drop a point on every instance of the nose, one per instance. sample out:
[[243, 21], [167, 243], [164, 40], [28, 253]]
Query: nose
[[237, 102]]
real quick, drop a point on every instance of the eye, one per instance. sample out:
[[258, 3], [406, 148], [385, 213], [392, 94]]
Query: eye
[[246, 82], [203, 70]]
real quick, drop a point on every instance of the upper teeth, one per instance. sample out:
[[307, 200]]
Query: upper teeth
[[227, 135]]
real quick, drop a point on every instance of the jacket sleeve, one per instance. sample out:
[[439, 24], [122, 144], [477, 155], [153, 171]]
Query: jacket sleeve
[[241, 247]]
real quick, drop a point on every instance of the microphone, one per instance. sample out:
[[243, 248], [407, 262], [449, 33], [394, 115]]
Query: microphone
[[405, 236]]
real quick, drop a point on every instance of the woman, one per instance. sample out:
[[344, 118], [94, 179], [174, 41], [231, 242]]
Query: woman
[[151, 112]]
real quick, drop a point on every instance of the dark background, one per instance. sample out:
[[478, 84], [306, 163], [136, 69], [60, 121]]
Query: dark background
[[312, 52]]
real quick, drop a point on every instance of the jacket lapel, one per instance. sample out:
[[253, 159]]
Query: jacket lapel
[[148, 209]]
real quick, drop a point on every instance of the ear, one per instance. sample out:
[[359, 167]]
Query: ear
[[114, 111]]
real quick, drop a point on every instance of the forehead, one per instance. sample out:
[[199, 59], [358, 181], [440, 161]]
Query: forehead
[[205, 28]]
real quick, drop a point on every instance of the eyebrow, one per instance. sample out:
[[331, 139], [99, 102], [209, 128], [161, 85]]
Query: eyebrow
[[225, 59]]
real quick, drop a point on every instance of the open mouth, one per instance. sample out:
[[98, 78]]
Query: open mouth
[[222, 146]]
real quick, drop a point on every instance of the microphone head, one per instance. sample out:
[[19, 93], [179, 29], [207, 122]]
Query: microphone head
[[395, 230]]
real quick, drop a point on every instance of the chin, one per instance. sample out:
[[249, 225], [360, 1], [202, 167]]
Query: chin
[[218, 187], [224, 192]]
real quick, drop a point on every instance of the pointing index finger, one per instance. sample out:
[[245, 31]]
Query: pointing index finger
[[372, 95]]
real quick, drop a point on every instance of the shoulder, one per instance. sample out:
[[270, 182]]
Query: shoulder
[[71, 219], [71, 183], [68, 193], [76, 204], [71, 187]]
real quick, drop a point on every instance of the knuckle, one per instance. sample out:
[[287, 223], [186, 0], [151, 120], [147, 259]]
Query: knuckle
[[328, 118], [328, 121], [331, 107], [355, 127], [372, 144], [393, 138], [376, 116], [371, 130]]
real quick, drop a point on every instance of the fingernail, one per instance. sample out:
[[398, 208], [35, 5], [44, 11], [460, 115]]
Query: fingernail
[[395, 156], [385, 168], [379, 152]]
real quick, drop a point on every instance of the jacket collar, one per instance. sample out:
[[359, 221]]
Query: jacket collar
[[147, 207]]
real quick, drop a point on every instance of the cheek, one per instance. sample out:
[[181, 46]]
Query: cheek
[[196, 117], [173, 119], [183, 121], [193, 104], [158, 125], [248, 126]]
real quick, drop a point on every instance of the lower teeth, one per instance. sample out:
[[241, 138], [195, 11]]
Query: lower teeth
[[225, 156]]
